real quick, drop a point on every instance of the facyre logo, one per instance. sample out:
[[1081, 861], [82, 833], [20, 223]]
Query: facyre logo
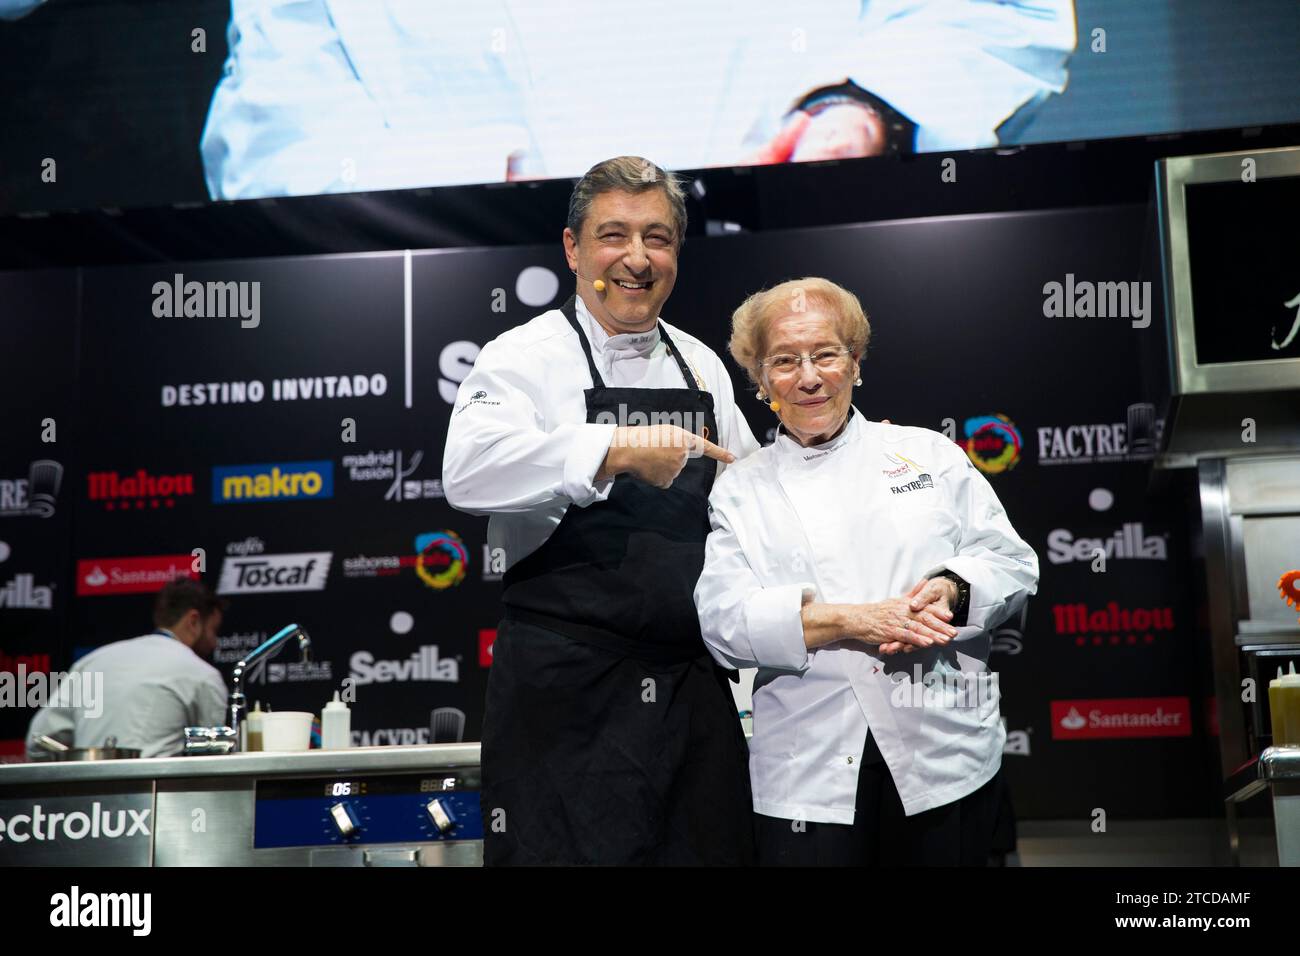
[[33, 496]]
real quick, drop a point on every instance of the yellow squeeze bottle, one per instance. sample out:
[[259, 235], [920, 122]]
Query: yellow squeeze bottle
[[1287, 704]]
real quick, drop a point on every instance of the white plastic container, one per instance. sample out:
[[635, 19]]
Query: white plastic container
[[253, 725], [335, 725], [286, 730]]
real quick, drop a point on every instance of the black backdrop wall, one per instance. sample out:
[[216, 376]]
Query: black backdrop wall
[[380, 568]]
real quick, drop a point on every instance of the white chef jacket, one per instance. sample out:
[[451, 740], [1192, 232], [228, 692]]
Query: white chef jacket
[[345, 95], [519, 446], [826, 522], [154, 687]]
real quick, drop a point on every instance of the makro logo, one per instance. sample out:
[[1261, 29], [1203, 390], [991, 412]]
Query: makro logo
[[97, 824], [33, 496], [141, 490], [1130, 542], [1112, 625], [274, 573], [992, 443], [1121, 717], [441, 559], [75, 909], [423, 665], [140, 575], [277, 481]]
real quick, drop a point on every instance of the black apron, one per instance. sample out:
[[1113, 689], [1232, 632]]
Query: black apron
[[610, 735]]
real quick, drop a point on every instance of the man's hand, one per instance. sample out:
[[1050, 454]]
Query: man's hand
[[929, 598], [656, 453]]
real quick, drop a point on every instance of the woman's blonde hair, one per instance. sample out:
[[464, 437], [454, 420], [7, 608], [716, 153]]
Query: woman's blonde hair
[[750, 322]]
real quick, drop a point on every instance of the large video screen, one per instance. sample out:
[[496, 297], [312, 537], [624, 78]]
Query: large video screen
[[141, 101]]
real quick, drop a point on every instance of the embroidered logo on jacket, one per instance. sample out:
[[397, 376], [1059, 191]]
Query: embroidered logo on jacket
[[921, 482]]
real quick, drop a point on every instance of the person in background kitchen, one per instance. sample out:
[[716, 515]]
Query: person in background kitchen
[[609, 735], [154, 685], [841, 554]]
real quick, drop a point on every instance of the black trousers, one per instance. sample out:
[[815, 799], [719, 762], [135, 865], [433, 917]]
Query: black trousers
[[957, 834], [581, 766]]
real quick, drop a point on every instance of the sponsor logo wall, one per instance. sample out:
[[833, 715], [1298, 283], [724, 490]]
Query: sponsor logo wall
[[296, 462]]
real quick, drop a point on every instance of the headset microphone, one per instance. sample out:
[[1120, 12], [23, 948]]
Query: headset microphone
[[598, 284]]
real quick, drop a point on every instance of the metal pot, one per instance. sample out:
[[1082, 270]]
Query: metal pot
[[110, 750]]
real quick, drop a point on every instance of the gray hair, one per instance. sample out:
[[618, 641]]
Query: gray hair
[[750, 322], [631, 174]]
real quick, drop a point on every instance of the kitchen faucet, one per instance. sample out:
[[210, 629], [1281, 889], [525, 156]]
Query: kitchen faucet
[[267, 649]]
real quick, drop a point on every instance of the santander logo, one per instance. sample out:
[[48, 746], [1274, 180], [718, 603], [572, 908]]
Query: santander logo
[[1121, 717], [140, 575]]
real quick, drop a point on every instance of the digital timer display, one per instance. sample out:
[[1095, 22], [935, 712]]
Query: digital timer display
[[345, 788]]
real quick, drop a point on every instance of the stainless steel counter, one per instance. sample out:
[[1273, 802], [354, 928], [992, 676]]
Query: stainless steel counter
[[1277, 770], [311, 762], [364, 806]]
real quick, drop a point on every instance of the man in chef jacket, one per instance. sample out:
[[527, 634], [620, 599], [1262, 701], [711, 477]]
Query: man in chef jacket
[[592, 435], [154, 686]]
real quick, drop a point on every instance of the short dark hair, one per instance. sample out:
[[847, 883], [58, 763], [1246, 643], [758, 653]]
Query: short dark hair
[[179, 596], [631, 174]]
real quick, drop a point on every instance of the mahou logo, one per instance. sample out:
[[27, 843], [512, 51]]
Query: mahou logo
[[1111, 625], [1121, 717], [139, 491]]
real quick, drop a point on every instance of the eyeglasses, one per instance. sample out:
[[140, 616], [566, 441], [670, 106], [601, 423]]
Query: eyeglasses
[[787, 363]]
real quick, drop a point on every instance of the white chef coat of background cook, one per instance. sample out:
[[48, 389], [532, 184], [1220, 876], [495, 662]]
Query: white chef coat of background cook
[[153, 688], [824, 521], [519, 446]]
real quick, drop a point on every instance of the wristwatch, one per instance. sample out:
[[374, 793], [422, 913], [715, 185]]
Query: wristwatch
[[962, 604]]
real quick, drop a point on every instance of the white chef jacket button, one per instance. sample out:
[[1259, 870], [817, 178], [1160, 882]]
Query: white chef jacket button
[[850, 760]]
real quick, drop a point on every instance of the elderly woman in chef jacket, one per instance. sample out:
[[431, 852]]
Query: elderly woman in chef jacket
[[859, 566]]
